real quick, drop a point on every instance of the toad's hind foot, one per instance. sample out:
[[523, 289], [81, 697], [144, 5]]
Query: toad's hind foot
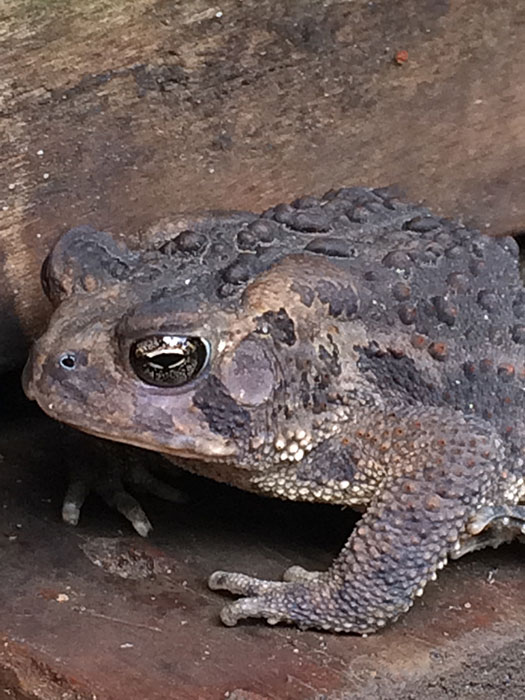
[[275, 601], [266, 599], [300, 575], [241, 584]]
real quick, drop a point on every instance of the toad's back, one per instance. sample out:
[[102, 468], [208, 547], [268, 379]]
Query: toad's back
[[445, 301]]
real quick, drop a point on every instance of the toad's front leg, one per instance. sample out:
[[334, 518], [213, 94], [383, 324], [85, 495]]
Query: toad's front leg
[[414, 523]]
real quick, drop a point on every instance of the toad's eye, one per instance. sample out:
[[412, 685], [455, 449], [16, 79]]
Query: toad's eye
[[169, 360]]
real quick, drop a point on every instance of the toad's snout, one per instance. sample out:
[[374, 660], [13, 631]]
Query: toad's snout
[[28, 374], [46, 371]]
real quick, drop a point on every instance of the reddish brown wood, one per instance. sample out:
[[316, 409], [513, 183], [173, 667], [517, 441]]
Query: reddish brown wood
[[142, 624]]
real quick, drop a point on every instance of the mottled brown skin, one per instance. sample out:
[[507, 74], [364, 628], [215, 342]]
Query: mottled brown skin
[[363, 352]]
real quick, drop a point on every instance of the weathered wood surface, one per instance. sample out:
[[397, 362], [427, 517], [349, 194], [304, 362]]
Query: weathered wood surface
[[97, 612], [120, 113]]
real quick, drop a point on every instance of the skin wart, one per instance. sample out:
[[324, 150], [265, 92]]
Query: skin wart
[[348, 349]]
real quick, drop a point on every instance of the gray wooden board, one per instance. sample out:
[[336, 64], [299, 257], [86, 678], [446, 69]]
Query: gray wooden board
[[119, 114]]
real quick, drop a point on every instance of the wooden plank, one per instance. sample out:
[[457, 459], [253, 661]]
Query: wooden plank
[[119, 114], [97, 611]]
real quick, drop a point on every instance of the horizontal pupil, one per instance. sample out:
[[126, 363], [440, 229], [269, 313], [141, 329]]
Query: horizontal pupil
[[167, 362]]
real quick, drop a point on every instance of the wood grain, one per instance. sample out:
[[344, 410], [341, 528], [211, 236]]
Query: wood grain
[[119, 114]]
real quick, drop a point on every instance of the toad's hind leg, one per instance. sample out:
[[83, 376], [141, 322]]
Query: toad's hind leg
[[409, 530]]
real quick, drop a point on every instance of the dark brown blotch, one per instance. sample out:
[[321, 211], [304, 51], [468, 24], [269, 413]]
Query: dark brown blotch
[[331, 461], [488, 299], [458, 281], [438, 350], [185, 242], [445, 310], [469, 368], [407, 314], [418, 341], [401, 291], [341, 300], [398, 259], [422, 224], [518, 334], [313, 220], [506, 371], [241, 270], [265, 230], [222, 412], [305, 292], [280, 326], [334, 247]]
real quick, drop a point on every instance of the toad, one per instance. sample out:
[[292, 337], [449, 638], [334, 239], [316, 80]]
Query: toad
[[349, 349]]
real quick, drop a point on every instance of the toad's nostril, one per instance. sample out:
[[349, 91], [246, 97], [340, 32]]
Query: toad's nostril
[[67, 360]]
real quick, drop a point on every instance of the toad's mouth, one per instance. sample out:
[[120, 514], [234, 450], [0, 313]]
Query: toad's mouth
[[201, 451]]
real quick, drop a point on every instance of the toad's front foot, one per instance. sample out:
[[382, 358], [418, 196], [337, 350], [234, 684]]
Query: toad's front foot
[[109, 470], [112, 487]]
